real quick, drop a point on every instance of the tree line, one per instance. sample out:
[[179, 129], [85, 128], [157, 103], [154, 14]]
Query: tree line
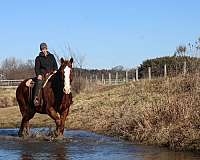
[[13, 68]]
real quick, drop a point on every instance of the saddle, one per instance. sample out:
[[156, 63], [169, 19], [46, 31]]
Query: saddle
[[30, 83]]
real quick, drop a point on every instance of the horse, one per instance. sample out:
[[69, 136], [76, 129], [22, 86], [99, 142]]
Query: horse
[[56, 97]]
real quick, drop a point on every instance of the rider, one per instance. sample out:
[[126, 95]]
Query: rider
[[44, 64]]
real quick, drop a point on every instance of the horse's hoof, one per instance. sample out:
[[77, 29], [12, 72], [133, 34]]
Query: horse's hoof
[[20, 134], [59, 138]]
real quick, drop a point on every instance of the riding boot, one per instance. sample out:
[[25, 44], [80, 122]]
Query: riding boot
[[38, 87]]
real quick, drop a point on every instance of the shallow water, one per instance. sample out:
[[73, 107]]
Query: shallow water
[[79, 145]]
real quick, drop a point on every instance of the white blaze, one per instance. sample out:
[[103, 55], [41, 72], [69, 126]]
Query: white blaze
[[67, 86]]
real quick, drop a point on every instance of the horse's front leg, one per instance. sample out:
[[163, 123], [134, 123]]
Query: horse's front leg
[[63, 117], [27, 128], [52, 113]]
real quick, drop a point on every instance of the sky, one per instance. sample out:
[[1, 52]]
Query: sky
[[106, 33]]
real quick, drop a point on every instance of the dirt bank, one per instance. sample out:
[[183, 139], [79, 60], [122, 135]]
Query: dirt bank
[[163, 112]]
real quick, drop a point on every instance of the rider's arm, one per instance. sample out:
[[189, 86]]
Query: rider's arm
[[37, 67]]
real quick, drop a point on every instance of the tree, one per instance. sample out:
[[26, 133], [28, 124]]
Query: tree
[[13, 68], [9, 64], [181, 51]]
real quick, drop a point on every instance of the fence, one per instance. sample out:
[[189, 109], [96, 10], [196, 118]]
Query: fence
[[9, 83], [106, 79], [134, 76]]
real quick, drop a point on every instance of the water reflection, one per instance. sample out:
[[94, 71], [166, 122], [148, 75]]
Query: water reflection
[[44, 151], [83, 145], [26, 157]]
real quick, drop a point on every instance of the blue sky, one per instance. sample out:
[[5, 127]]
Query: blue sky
[[106, 32]]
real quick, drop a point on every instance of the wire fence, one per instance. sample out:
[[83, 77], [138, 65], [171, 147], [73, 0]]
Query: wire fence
[[117, 77], [147, 73], [10, 83]]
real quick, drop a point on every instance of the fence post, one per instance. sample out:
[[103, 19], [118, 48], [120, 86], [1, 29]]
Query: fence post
[[110, 81], [126, 76], [136, 74], [165, 70], [102, 78], [185, 68], [116, 78], [133, 78], [149, 70], [93, 77], [86, 81], [96, 78]]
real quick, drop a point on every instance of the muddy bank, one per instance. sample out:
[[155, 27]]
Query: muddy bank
[[164, 112]]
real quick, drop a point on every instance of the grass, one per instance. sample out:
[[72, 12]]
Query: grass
[[164, 112], [7, 97], [11, 118]]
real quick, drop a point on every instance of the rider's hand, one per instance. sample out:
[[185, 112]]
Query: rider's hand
[[47, 74], [39, 77]]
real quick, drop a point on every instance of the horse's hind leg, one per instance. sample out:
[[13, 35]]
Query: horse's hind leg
[[23, 99], [24, 129]]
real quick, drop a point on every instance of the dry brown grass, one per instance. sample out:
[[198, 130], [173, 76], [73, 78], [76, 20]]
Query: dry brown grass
[[7, 97], [10, 115], [163, 112], [11, 118]]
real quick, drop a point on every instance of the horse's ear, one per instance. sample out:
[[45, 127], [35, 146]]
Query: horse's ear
[[62, 60], [71, 60]]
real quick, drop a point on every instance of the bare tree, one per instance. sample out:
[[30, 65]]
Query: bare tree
[[56, 56], [9, 64], [78, 58], [79, 82], [13, 68], [181, 50]]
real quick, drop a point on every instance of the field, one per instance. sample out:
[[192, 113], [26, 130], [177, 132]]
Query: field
[[163, 112]]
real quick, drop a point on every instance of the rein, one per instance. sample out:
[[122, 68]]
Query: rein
[[48, 79]]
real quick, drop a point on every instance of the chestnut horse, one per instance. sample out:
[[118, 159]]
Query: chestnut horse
[[56, 95]]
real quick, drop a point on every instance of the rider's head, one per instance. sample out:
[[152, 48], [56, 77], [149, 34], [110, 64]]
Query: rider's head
[[43, 48]]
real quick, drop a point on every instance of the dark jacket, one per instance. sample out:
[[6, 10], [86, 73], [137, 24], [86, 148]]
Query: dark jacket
[[45, 64]]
